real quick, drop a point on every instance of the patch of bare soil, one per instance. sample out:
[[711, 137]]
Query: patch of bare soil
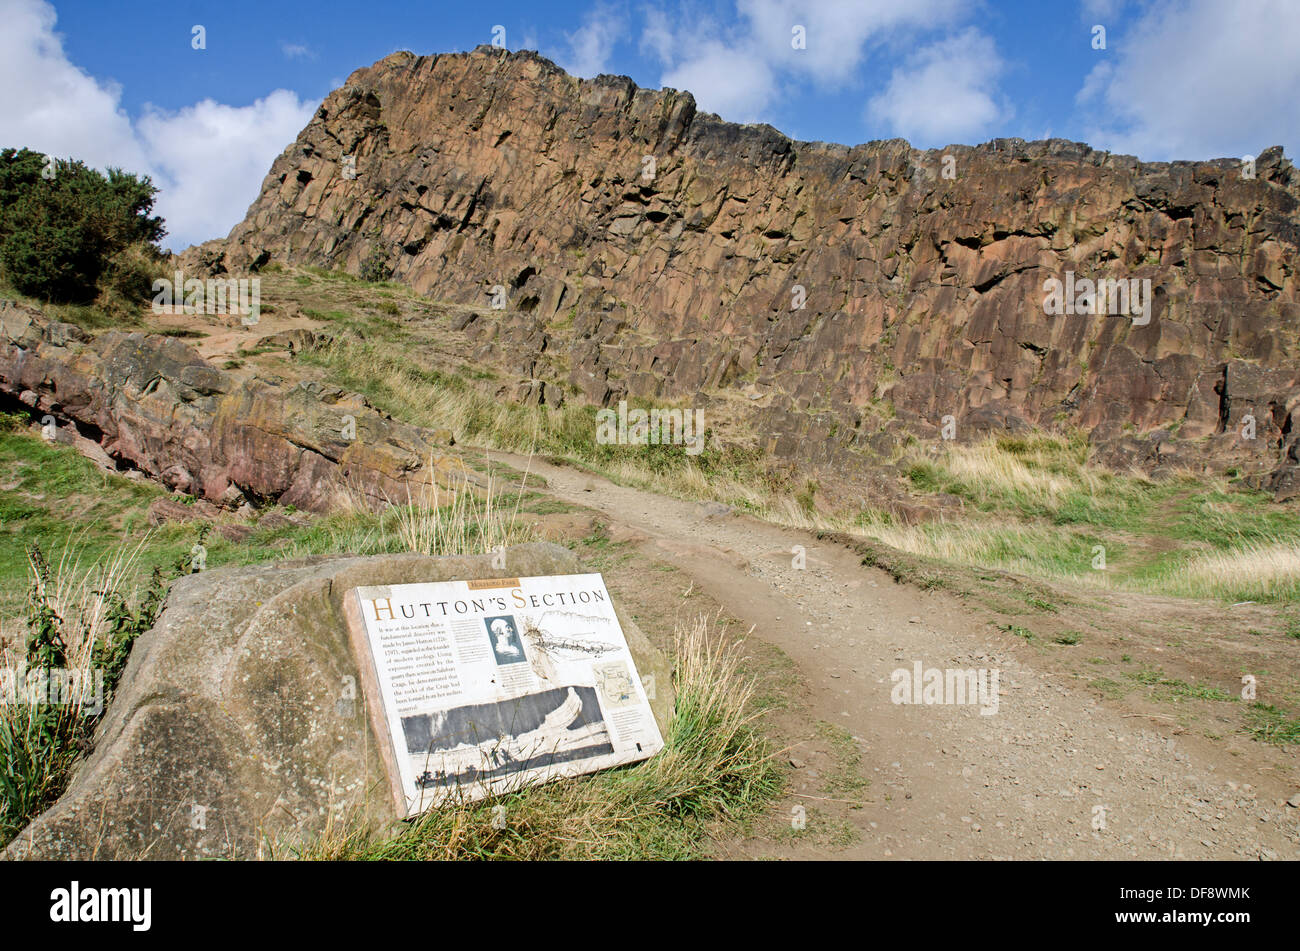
[[219, 337]]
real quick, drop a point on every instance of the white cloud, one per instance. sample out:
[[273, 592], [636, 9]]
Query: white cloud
[[214, 158], [657, 35], [1198, 79], [592, 44], [731, 82], [297, 51], [1094, 84], [945, 93], [721, 68], [52, 106], [208, 160], [740, 71], [838, 32]]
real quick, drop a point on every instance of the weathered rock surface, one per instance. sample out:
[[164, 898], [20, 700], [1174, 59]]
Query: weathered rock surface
[[649, 249], [151, 403], [233, 724]]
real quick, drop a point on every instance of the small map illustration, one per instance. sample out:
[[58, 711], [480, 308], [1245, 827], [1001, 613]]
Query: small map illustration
[[614, 681]]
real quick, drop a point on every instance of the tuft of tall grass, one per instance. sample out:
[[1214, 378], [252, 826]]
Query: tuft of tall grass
[[1045, 475], [460, 520], [1255, 571], [81, 622]]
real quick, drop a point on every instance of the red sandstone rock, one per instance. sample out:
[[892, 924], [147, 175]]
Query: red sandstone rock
[[155, 405]]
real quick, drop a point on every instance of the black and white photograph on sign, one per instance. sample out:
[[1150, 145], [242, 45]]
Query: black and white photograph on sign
[[490, 741], [507, 646]]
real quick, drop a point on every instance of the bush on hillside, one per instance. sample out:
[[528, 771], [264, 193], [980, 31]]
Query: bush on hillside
[[66, 230]]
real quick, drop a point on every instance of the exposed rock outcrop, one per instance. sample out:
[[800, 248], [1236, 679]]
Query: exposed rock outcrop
[[235, 723], [151, 403], [646, 248]]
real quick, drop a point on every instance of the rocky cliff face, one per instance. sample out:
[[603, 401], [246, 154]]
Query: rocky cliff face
[[641, 247]]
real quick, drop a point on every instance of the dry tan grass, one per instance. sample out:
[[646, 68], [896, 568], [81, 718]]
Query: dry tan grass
[[1038, 485], [689, 482], [460, 521], [495, 423], [1264, 571], [986, 465], [80, 599], [75, 611]]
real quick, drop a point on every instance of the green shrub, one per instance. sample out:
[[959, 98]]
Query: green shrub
[[61, 234], [83, 622], [128, 278], [375, 269]]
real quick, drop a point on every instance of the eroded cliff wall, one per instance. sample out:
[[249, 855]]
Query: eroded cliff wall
[[673, 248]]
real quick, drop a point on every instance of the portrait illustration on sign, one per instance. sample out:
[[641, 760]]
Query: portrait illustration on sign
[[503, 632]]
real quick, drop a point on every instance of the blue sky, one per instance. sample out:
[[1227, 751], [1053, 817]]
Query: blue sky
[[120, 83]]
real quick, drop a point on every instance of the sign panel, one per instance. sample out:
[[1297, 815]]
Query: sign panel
[[489, 685]]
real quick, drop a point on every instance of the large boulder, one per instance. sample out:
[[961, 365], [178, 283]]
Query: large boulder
[[234, 724]]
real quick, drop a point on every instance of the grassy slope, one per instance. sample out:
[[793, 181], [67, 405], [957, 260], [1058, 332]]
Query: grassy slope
[[1037, 508], [1030, 505]]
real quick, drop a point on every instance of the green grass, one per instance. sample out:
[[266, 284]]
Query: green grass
[[1035, 506], [823, 830], [37, 750], [1037, 603], [1021, 632], [1229, 520], [1268, 724], [1171, 689], [404, 387], [52, 496], [714, 770], [86, 316], [77, 619], [1109, 687], [844, 777]]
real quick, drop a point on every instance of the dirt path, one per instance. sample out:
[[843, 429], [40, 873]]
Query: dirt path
[[945, 781]]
